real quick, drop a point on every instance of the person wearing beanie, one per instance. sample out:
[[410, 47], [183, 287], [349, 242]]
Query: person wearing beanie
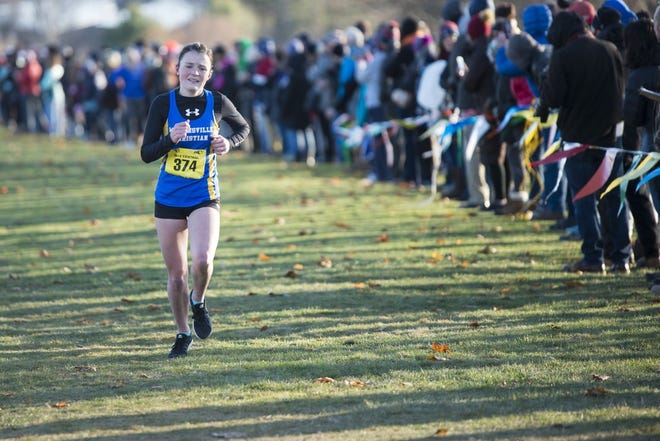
[[586, 83], [476, 6], [447, 36], [402, 70], [529, 56], [564, 4], [608, 26], [627, 15], [479, 80], [584, 9], [452, 11], [536, 20]]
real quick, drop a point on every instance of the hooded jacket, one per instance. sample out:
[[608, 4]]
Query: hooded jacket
[[536, 20], [585, 82]]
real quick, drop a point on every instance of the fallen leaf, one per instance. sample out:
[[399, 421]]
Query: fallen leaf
[[440, 433], [298, 266], [488, 250], [153, 307], [595, 391], [324, 380], [600, 377], [355, 383], [125, 300], [343, 225], [474, 324], [443, 348], [435, 357], [360, 285], [291, 274], [382, 238], [60, 405], [44, 253], [264, 258], [85, 368], [325, 262], [575, 283], [134, 276], [263, 328], [119, 310]]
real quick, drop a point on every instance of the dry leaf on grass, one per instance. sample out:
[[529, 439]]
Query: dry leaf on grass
[[324, 380], [442, 348], [598, 391]]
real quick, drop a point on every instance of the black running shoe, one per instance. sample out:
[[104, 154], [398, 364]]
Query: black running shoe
[[201, 320], [181, 345]]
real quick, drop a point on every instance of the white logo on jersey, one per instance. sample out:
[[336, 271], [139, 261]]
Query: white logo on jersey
[[192, 112]]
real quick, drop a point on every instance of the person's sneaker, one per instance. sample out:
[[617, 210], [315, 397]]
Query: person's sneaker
[[585, 267], [620, 267], [181, 345], [649, 262], [546, 214], [201, 319]]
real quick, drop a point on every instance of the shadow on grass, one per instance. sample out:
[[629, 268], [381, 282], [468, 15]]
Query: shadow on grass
[[315, 416]]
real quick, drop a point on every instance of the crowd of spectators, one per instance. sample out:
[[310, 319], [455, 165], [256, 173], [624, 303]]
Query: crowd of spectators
[[355, 96]]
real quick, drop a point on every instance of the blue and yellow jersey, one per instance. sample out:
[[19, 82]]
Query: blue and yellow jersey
[[188, 175]]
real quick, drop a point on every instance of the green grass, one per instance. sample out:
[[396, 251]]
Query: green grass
[[380, 277]]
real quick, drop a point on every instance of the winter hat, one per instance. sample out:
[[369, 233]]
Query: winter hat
[[564, 4], [584, 9], [627, 15], [536, 20], [448, 29], [388, 35], [478, 28], [452, 11], [520, 49], [476, 6], [608, 16], [295, 46]]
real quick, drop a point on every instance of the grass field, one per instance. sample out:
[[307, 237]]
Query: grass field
[[341, 313]]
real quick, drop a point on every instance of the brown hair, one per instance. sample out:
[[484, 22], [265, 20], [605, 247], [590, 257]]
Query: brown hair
[[198, 47]]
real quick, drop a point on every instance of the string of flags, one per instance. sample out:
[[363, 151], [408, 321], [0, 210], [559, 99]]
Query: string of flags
[[439, 128]]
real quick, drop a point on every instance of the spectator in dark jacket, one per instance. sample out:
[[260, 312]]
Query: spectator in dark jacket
[[585, 82], [642, 57]]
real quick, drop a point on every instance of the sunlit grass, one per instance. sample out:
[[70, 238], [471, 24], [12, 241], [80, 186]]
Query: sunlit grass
[[315, 276]]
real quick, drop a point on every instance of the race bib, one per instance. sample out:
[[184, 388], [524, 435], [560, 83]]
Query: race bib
[[187, 163]]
